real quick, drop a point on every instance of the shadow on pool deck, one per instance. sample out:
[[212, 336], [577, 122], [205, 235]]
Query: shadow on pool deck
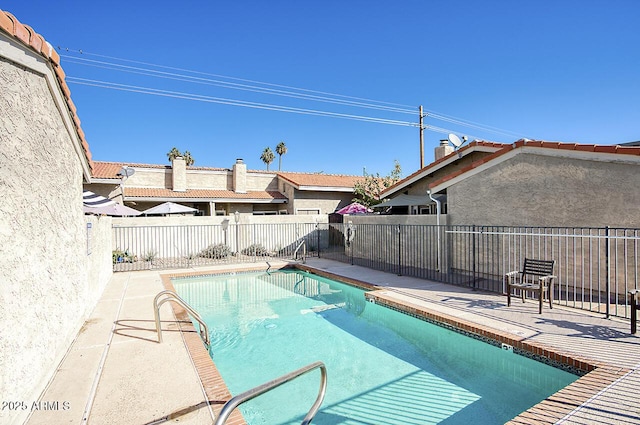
[[117, 372]]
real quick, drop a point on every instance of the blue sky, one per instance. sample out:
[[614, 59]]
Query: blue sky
[[553, 70]]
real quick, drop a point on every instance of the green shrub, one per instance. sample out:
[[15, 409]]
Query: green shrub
[[216, 251], [255, 249], [150, 256], [120, 256]]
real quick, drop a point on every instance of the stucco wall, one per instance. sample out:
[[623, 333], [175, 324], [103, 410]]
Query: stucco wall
[[44, 295], [98, 257], [420, 187], [218, 180], [327, 202], [536, 190], [289, 191], [199, 179], [150, 178], [261, 181]]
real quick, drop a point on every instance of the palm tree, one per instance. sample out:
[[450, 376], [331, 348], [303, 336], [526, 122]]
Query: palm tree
[[281, 149], [267, 157], [188, 158], [173, 154]]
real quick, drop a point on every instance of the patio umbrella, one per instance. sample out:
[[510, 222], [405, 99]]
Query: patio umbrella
[[90, 199], [99, 205], [114, 210], [354, 208], [169, 208]]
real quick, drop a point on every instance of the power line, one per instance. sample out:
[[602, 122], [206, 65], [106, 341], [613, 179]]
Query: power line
[[253, 105], [217, 83], [472, 124], [395, 107], [233, 102], [304, 94]]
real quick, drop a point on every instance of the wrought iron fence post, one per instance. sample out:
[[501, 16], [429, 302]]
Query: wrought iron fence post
[[473, 250], [351, 252], [318, 238], [607, 247], [399, 252]]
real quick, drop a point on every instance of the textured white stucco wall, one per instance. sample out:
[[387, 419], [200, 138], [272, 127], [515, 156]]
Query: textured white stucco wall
[[536, 190], [44, 288], [153, 177], [98, 257], [200, 179]]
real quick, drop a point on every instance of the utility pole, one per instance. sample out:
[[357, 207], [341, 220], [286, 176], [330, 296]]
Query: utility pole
[[421, 139]]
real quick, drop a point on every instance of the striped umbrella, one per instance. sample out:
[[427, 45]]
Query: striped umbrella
[[96, 204], [90, 199]]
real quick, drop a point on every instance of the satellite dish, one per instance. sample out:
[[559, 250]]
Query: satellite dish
[[126, 172], [455, 140]]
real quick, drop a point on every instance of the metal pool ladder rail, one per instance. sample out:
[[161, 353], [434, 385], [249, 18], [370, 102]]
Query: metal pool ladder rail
[[261, 389], [302, 245], [172, 296]]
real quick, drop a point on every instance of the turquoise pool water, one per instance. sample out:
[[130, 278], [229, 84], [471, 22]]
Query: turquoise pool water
[[383, 367]]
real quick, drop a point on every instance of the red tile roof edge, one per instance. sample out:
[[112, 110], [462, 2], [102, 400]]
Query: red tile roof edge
[[99, 164], [443, 159], [118, 164], [318, 174], [614, 149], [290, 175], [10, 25], [147, 192]]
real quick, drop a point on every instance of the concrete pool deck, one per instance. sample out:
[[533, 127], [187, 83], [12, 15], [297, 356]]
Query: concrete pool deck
[[117, 372]]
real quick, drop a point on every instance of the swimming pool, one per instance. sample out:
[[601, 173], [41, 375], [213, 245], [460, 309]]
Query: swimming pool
[[384, 367]]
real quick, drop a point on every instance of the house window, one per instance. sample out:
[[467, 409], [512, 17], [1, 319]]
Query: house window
[[308, 211]]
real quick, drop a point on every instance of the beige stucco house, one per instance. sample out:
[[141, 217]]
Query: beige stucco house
[[51, 278], [528, 183], [222, 191]]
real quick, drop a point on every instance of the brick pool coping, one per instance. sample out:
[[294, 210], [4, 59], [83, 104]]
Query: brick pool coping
[[596, 376]]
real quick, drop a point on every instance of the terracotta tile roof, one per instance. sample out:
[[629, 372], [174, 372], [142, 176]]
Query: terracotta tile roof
[[145, 192], [29, 38], [109, 170], [320, 180], [462, 151], [540, 144], [105, 170]]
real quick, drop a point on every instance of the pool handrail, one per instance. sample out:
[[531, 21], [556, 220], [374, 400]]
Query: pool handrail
[[172, 296], [303, 245], [236, 401]]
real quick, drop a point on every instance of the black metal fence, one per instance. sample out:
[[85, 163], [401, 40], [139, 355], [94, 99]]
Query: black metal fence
[[595, 267]]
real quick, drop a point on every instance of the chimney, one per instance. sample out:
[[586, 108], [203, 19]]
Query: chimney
[[443, 150], [179, 174], [240, 176]]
